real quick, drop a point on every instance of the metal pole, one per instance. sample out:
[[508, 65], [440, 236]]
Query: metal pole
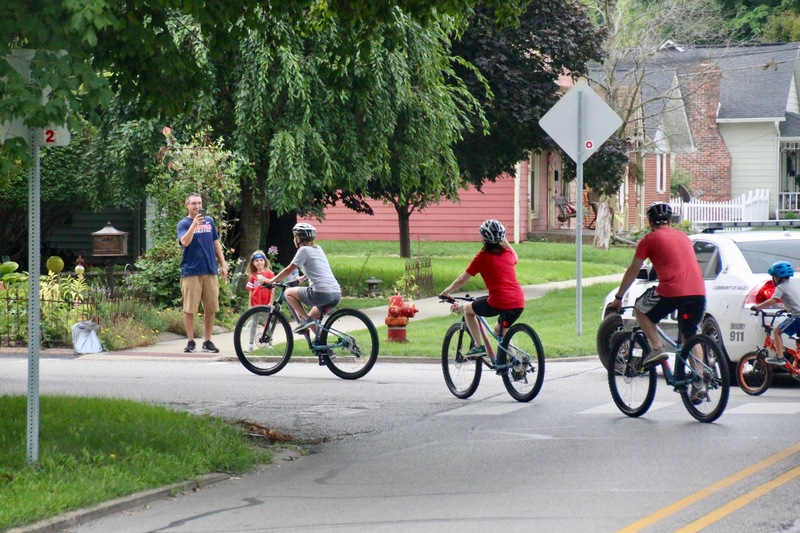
[[579, 223], [34, 304]]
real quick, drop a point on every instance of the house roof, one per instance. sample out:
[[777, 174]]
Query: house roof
[[790, 128], [755, 81]]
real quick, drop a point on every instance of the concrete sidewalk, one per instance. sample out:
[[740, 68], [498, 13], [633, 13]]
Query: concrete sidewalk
[[171, 347]]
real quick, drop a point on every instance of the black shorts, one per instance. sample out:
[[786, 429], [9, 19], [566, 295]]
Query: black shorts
[[656, 307], [507, 316]]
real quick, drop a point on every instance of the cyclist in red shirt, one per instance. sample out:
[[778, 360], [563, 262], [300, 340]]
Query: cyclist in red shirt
[[496, 264], [680, 281]]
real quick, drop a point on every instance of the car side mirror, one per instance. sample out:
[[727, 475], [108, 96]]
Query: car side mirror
[[647, 273]]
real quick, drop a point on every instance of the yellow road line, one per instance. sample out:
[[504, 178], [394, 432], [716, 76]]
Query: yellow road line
[[741, 501], [710, 490]]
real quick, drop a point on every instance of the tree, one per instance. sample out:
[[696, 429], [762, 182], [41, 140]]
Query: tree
[[132, 48], [427, 107], [521, 64], [62, 186], [635, 31]]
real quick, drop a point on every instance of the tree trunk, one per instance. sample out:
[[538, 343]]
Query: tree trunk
[[279, 233], [605, 218], [251, 224], [403, 220]]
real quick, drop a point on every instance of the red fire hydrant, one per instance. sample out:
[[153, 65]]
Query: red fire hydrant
[[399, 313]]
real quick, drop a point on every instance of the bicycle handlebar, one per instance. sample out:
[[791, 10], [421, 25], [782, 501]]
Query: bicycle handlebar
[[452, 299], [281, 284]]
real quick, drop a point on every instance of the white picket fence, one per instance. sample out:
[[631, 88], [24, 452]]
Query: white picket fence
[[748, 207]]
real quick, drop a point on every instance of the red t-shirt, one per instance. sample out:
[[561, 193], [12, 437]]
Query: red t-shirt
[[259, 295], [500, 277], [673, 257]]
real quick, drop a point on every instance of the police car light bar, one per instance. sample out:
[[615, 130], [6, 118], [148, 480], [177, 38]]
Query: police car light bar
[[711, 227]]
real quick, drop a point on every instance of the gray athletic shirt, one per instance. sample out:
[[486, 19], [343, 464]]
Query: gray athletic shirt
[[314, 263], [788, 293]]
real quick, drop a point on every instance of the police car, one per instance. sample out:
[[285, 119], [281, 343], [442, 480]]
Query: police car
[[734, 258]]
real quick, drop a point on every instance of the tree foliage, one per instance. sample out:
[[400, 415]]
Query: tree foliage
[[63, 186], [521, 64], [133, 48]]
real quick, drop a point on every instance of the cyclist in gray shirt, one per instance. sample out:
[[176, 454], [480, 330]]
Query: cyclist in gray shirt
[[323, 290], [788, 292]]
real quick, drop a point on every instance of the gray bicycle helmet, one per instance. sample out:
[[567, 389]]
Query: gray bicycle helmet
[[659, 213], [493, 231], [781, 269], [305, 231]]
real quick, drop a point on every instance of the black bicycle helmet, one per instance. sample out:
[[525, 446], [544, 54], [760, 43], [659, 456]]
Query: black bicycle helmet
[[781, 269], [659, 213], [493, 231], [305, 231]]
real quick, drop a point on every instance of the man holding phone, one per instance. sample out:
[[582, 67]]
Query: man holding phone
[[198, 236]]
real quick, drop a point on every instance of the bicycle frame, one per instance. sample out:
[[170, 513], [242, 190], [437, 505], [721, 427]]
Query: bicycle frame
[[769, 342], [669, 376], [317, 349], [486, 331]]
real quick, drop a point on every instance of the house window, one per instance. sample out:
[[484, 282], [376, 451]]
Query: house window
[[533, 182], [661, 173]]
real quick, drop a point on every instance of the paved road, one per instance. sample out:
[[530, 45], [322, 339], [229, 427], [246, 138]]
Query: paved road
[[402, 454]]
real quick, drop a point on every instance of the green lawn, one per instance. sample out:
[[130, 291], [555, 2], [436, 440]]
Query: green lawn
[[552, 316]]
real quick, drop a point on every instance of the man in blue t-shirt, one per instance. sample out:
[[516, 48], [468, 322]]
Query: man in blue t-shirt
[[197, 234]]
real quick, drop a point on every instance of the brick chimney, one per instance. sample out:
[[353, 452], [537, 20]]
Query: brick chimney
[[709, 164]]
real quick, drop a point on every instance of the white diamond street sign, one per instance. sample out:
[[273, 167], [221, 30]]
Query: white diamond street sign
[[580, 123], [597, 121]]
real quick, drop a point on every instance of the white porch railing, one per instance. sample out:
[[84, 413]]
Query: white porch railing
[[787, 202], [748, 207]]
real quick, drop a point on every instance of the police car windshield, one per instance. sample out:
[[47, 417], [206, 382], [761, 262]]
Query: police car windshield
[[760, 255]]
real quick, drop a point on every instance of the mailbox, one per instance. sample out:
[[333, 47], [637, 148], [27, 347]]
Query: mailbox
[[109, 242]]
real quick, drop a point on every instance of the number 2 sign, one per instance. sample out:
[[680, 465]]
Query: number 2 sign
[[56, 136]]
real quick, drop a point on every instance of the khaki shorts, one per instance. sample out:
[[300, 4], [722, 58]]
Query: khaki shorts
[[196, 289]]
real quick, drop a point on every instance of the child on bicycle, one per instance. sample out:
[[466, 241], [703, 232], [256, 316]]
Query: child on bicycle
[[496, 263], [323, 290], [787, 292], [259, 270]]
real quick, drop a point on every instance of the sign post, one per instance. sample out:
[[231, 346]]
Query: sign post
[[36, 138], [580, 123]]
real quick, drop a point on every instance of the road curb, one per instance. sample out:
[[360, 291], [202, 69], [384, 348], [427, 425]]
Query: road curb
[[73, 518]]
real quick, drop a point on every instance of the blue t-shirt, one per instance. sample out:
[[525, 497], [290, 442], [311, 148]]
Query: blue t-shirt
[[199, 257]]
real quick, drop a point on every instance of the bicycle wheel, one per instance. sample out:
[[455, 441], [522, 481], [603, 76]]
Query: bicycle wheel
[[753, 373], [632, 388], [707, 370], [461, 375], [522, 351], [351, 343], [263, 340]]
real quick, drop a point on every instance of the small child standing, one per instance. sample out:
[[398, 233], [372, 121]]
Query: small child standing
[[259, 271], [789, 294]]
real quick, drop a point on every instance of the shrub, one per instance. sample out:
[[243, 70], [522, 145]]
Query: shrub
[[126, 332], [158, 274]]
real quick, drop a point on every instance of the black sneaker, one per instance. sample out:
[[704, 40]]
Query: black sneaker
[[190, 347], [208, 346]]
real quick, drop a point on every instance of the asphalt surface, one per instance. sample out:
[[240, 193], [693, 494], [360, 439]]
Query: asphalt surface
[[171, 347]]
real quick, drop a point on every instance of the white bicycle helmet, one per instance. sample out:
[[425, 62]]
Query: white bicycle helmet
[[305, 230], [493, 231]]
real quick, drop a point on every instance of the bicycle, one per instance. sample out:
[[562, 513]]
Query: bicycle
[[633, 387], [519, 358], [347, 342], [753, 372]]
